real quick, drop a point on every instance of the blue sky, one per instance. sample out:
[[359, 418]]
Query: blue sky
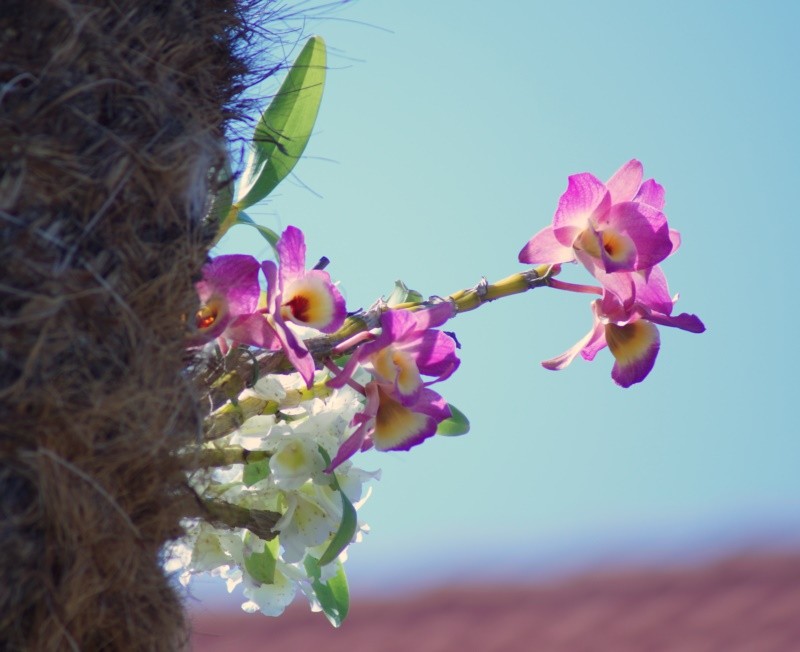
[[446, 135]]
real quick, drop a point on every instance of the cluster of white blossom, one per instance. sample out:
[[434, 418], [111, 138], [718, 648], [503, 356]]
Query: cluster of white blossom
[[287, 478]]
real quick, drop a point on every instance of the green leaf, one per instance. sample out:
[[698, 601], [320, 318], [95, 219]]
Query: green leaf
[[455, 425], [260, 565], [255, 472], [285, 127], [268, 234], [333, 595], [401, 294], [347, 528]]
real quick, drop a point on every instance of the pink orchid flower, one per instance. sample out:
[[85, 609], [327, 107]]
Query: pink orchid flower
[[630, 332], [299, 296], [614, 226], [401, 410], [229, 293], [408, 347], [391, 425]]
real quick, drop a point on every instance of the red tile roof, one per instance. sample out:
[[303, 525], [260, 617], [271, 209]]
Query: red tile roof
[[746, 604]]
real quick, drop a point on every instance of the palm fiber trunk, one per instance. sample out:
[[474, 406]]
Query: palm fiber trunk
[[112, 115]]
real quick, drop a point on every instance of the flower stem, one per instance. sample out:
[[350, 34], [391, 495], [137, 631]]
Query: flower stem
[[322, 347], [213, 457], [575, 287], [221, 514], [466, 300]]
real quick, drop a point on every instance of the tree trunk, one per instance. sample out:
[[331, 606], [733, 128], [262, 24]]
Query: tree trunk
[[112, 116]]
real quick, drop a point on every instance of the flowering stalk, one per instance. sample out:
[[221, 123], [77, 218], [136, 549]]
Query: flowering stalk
[[222, 514], [466, 300], [277, 491], [214, 457], [235, 380]]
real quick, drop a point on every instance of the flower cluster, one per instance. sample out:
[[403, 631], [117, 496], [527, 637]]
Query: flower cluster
[[284, 456], [617, 230], [275, 477], [236, 311], [401, 410], [282, 447], [275, 482]]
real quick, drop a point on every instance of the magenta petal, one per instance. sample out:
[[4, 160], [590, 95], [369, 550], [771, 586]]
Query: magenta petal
[[634, 347], [675, 239], [253, 330], [396, 325], [322, 304], [292, 254], [435, 354], [684, 321], [270, 270], [652, 194], [625, 182], [435, 410], [652, 290], [647, 229], [295, 350], [617, 250], [339, 310], [634, 372], [340, 379], [620, 284], [434, 316], [614, 308], [585, 196], [433, 405], [562, 361], [544, 249], [234, 277], [349, 447], [597, 342], [628, 375]]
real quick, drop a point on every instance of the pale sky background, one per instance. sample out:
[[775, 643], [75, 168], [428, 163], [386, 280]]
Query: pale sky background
[[446, 135]]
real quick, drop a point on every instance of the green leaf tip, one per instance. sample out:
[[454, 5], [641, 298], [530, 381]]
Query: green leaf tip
[[260, 565], [347, 528], [333, 595], [268, 234], [455, 425], [402, 294], [284, 129]]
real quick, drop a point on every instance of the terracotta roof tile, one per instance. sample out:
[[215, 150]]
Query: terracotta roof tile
[[746, 604]]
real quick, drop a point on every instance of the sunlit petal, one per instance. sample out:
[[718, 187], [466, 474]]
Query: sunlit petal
[[312, 300], [652, 194], [634, 347], [545, 249], [585, 196], [625, 182], [562, 361], [292, 254], [398, 427]]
